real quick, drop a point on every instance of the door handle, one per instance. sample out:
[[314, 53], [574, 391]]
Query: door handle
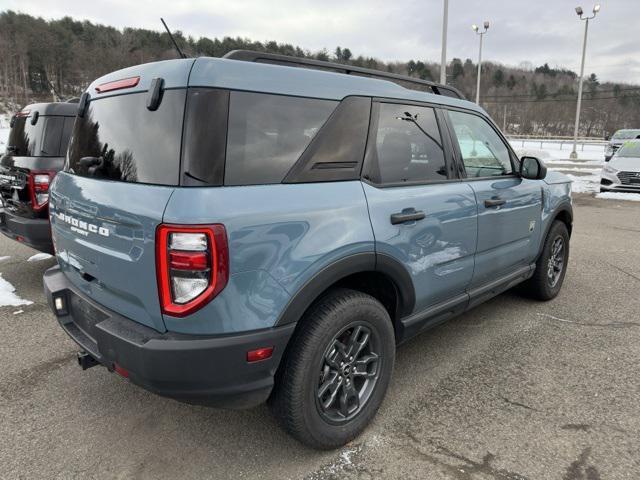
[[494, 202], [407, 215]]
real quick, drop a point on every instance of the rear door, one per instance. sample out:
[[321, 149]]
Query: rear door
[[422, 216], [509, 207], [122, 167]]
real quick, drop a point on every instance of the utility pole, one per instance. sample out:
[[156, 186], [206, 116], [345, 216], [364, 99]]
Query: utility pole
[[481, 33], [579, 11], [443, 59], [504, 120]]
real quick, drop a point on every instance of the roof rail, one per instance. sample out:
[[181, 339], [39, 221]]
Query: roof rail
[[277, 59]]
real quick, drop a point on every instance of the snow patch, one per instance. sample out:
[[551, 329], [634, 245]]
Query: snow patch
[[631, 197], [4, 258], [38, 257], [8, 296], [584, 183]]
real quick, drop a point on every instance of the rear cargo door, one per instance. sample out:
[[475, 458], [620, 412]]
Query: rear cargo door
[[122, 167]]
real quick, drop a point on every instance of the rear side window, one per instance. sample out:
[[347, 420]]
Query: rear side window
[[267, 134], [120, 139], [407, 146]]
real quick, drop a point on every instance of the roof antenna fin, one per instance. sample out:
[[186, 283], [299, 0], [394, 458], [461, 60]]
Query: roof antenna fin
[[182, 55]]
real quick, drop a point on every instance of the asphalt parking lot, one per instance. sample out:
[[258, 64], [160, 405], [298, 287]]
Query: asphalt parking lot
[[514, 389]]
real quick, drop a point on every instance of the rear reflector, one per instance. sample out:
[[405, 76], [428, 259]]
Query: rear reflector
[[118, 84], [120, 371], [259, 354]]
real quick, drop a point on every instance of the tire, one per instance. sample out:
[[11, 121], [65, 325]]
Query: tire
[[542, 285], [305, 380]]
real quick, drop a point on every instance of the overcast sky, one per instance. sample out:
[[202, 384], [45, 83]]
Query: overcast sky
[[535, 31]]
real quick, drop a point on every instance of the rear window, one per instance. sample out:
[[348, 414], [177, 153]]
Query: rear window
[[120, 139], [268, 133], [44, 139]]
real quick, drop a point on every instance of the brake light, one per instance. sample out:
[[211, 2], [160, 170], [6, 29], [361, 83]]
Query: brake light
[[192, 265], [23, 113], [118, 84], [39, 188]]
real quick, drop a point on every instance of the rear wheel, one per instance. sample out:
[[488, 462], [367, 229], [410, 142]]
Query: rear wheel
[[546, 282], [337, 370]]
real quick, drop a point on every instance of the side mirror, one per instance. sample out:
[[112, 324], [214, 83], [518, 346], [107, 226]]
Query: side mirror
[[532, 168]]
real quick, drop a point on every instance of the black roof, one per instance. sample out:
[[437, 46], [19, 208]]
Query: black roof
[[63, 109]]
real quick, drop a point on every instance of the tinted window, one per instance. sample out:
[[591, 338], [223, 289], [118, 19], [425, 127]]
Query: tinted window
[[39, 140], [124, 141], [205, 136], [483, 152], [408, 146], [267, 134]]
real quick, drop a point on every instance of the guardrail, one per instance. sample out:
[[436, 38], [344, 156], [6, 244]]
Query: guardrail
[[562, 141]]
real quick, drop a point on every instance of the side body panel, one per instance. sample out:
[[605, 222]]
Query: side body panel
[[508, 235], [279, 237], [437, 250]]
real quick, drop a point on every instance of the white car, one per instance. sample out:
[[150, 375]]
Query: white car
[[622, 172]]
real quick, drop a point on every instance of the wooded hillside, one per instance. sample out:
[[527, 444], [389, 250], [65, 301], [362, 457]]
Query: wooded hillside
[[40, 57]]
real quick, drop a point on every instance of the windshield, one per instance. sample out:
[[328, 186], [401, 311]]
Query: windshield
[[629, 149], [44, 139], [626, 134]]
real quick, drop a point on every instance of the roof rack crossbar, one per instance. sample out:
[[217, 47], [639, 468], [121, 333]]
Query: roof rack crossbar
[[263, 57]]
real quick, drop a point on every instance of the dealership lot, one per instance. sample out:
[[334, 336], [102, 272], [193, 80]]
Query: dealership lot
[[514, 389]]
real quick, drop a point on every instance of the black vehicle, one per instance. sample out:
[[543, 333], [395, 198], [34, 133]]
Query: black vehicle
[[35, 153]]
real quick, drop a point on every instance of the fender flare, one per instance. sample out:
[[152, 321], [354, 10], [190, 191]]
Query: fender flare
[[563, 207], [342, 268]]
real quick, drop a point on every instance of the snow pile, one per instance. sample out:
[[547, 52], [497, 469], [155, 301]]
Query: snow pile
[[553, 152], [4, 258], [584, 183], [8, 296], [4, 137], [632, 197], [39, 256]]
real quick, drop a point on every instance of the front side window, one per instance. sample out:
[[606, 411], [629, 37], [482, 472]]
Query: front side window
[[268, 133], [483, 152], [408, 146]]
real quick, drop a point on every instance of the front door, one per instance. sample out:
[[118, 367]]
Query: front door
[[509, 207], [421, 216]]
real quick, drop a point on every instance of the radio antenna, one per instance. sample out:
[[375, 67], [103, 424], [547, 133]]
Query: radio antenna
[[182, 55]]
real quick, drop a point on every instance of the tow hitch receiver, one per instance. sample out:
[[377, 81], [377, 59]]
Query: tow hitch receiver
[[86, 361]]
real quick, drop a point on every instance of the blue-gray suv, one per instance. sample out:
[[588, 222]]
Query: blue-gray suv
[[258, 227]]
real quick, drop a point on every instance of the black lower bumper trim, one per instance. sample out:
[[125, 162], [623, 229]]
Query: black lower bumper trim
[[33, 232], [200, 369]]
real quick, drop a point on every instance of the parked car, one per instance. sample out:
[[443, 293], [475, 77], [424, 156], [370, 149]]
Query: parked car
[[234, 230], [622, 173], [618, 139], [35, 152]]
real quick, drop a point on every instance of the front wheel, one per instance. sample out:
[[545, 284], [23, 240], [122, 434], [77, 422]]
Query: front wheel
[[551, 267], [336, 371]]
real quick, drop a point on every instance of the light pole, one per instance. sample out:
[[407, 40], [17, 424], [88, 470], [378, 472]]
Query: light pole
[[443, 59], [481, 33], [580, 12]]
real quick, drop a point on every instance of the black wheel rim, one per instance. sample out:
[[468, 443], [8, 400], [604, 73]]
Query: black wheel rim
[[556, 262], [349, 373]]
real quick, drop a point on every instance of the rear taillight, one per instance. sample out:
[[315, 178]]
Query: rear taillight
[[192, 266], [39, 188]]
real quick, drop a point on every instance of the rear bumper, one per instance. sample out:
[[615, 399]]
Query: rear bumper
[[34, 232], [198, 369]]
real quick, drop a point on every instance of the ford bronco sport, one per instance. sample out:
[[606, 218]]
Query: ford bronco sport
[[230, 231], [35, 152]]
